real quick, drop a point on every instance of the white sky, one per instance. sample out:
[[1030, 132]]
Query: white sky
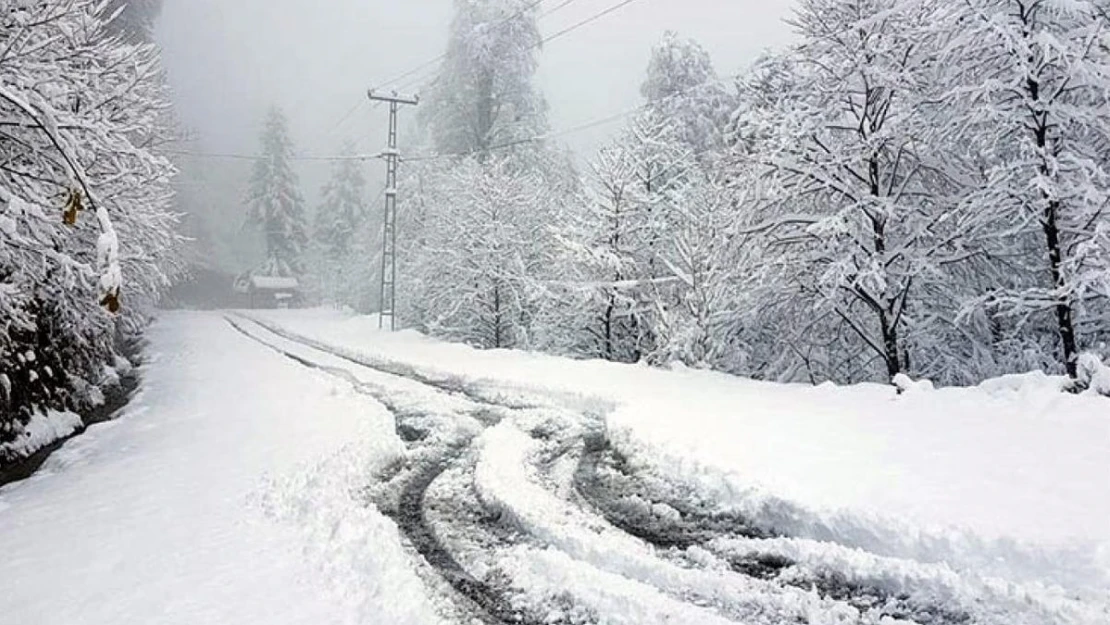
[[229, 60]]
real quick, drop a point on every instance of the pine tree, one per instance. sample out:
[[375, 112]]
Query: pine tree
[[343, 216], [483, 95], [682, 88], [274, 202]]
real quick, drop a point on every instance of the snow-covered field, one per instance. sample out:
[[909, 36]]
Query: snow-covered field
[[1009, 479], [266, 481]]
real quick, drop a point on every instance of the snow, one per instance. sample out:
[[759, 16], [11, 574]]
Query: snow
[[221, 505], [270, 283], [42, 430], [501, 479], [1094, 374], [237, 488], [1006, 479]]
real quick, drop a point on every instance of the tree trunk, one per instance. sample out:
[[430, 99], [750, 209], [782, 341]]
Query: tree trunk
[[885, 305], [610, 310], [497, 315], [1064, 313], [890, 346]]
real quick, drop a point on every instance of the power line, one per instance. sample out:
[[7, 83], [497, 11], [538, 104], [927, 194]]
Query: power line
[[346, 116], [500, 146], [549, 38], [415, 73], [586, 21], [255, 157], [536, 139], [540, 42], [574, 129], [558, 8], [443, 56]]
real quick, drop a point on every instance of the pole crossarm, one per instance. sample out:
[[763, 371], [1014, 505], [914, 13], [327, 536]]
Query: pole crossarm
[[393, 96]]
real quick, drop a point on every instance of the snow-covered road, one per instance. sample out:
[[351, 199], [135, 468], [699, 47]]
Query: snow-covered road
[[270, 473], [221, 496]]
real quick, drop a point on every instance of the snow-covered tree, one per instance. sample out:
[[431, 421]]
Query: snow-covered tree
[[862, 220], [615, 237], [274, 201], [473, 276], [342, 220], [683, 88], [483, 95], [135, 18], [715, 275], [85, 229], [476, 246], [1031, 80]]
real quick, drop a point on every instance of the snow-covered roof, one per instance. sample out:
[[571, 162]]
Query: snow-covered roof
[[269, 283]]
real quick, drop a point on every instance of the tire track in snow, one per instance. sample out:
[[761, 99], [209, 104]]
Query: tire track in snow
[[668, 524], [672, 524], [480, 599]]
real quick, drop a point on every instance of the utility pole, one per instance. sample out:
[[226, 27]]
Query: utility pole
[[389, 240]]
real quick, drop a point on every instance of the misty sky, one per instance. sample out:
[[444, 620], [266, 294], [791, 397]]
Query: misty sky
[[230, 59]]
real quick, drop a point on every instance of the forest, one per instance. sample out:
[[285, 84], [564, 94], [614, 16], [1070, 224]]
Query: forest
[[916, 187], [555, 312], [913, 188]]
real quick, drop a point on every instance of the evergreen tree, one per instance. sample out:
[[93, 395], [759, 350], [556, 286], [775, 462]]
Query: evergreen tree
[[683, 88], [274, 202], [341, 220], [483, 95]]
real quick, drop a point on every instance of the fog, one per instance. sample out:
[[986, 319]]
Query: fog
[[229, 60]]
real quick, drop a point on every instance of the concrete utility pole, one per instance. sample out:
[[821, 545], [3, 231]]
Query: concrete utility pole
[[389, 241]]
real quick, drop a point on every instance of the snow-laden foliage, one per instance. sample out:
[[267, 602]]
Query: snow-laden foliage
[[857, 211], [477, 250], [343, 224], [682, 86], [613, 238], [1030, 108], [274, 202], [483, 95], [479, 258], [916, 188], [86, 236]]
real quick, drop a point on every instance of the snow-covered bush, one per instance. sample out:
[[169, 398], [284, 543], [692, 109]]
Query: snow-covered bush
[[1093, 374]]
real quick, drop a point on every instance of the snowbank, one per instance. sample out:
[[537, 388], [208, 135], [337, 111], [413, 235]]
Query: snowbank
[[1006, 479], [42, 430]]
